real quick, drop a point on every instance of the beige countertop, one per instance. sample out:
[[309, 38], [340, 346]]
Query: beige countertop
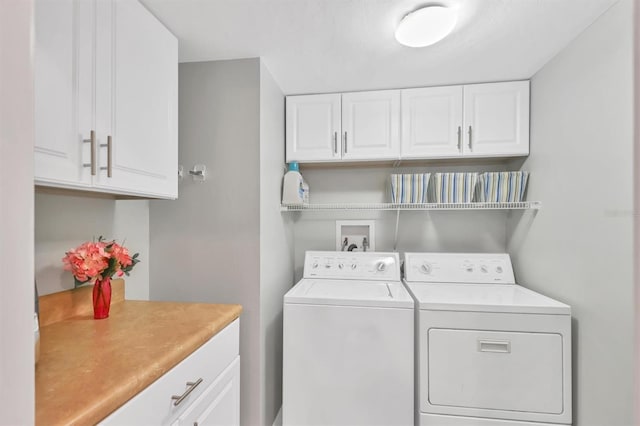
[[88, 368]]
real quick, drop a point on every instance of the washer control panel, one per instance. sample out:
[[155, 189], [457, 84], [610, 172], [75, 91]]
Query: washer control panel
[[482, 268], [371, 266]]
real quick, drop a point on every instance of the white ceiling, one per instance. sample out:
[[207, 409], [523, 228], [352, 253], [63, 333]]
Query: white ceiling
[[314, 46]]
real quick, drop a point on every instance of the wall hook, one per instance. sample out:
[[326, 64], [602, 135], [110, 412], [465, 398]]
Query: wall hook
[[199, 173]]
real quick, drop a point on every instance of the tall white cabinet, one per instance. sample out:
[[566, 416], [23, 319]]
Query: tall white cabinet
[[106, 84]]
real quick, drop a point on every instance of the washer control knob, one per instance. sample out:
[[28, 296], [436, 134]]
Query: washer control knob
[[315, 265], [469, 268], [499, 269], [426, 268], [340, 265], [354, 266], [484, 269], [327, 266], [381, 266]]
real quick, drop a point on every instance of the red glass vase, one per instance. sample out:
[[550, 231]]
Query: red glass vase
[[101, 298]]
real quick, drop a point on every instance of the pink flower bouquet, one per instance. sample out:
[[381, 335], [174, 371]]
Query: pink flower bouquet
[[98, 260]]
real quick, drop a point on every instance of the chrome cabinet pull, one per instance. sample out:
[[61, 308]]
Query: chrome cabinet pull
[[335, 142], [179, 398], [109, 146], [470, 139], [109, 156], [92, 141], [459, 139]]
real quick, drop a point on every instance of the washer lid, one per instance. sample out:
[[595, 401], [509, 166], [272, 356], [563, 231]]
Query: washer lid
[[383, 294], [484, 298]]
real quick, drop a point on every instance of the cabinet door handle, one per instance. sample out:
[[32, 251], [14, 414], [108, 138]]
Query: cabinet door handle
[[109, 146], [470, 139], [459, 139], [92, 142], [109, 156], [345, 142], [335, 142], [179, 398]]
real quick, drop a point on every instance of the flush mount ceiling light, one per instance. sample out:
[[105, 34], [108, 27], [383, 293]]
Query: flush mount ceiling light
[[426, 26]]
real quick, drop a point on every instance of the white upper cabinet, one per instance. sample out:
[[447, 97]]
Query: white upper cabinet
[[145, 127], [432, 122], [106, 84], [313, 131], [496, 119], [478, 120], [63, 97], [371, 125]]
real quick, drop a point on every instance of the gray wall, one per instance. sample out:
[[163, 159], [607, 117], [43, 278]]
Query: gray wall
[[276, 244], [453, 231], [64, 221], [205, 247], [578, 248]]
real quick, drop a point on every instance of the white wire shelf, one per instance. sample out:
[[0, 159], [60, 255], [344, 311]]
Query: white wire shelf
[[522, 205]]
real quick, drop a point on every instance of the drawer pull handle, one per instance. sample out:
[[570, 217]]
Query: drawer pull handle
[[496, 346], [179, 398]]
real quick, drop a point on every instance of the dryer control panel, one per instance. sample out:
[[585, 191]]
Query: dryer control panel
[[370, 266], [480, 268]]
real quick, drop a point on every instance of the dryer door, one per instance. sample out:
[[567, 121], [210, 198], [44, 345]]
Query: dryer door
[[495, 365], [496, 370]]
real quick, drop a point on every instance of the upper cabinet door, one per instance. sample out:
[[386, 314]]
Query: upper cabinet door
[[432, 122], [371, 125], [496, 117], [63, 81], [313, 128], [144, 137]]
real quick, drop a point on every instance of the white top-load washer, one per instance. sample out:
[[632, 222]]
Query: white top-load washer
[[348, 354], [489, 352]]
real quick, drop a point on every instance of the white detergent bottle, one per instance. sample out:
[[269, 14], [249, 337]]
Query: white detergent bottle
[[292, 187]]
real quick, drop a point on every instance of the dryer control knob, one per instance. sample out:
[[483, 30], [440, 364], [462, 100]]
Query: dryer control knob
[[340, 265], [354, 266], [381, 266], [499, 269], [315, 265], [484, 269], [426, 268]]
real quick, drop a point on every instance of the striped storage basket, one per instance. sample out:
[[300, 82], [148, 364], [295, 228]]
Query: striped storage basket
[[501, 187], [409, 188], [452, 187]]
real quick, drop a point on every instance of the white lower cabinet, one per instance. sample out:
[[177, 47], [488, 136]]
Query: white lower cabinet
[[204, 389], [219, 404]]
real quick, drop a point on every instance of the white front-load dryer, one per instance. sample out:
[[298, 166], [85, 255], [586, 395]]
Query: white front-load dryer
[[489, 352], [348, 355]]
